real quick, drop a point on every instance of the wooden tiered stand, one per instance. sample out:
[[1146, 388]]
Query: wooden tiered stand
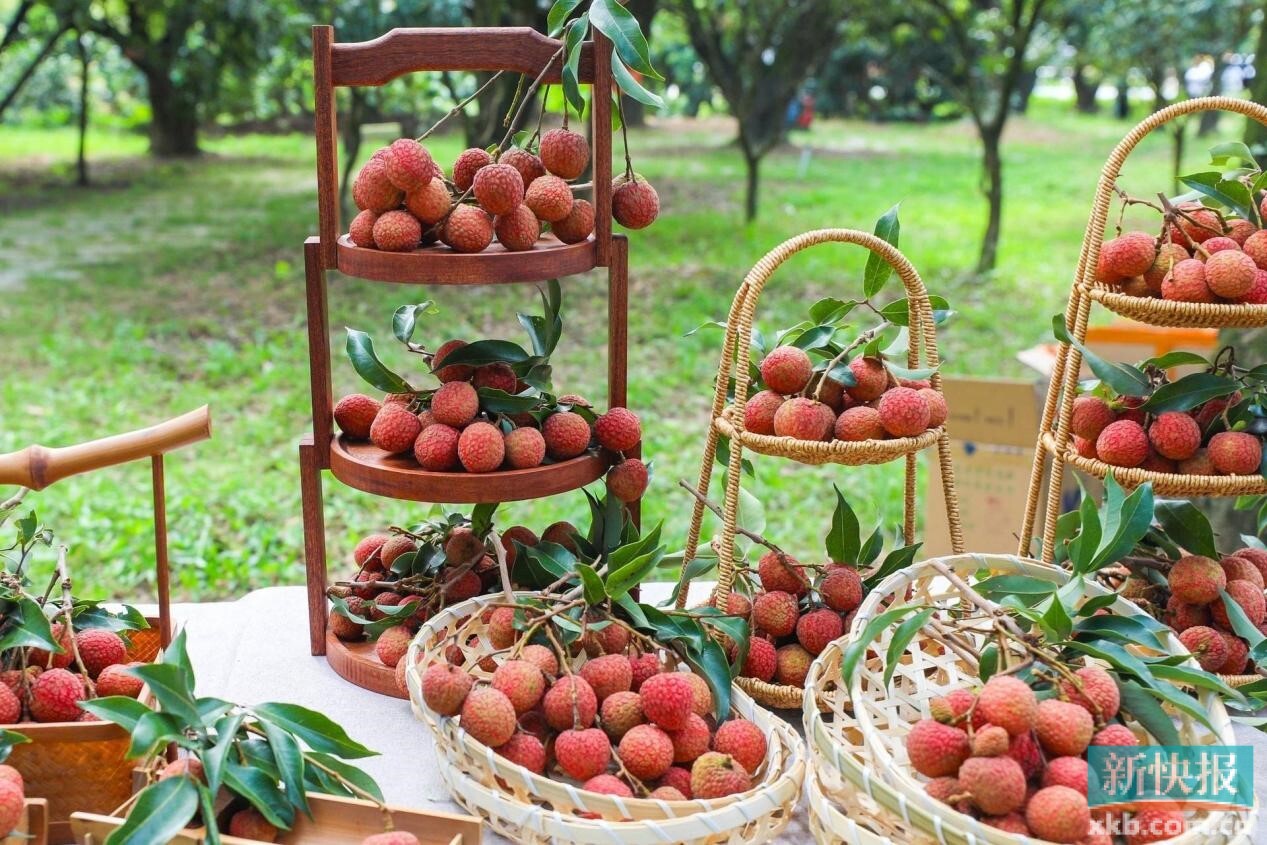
[[1055, 440], [372, 63]]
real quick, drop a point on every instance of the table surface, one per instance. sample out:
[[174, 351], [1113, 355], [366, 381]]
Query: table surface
[[256, 649]]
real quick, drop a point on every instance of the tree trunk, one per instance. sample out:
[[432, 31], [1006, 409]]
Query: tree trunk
[[174, 118], [1085, 90], [1177, 136], [81, 156], [1024, 90], [1122, 103], [23, 77], [350, 132], [1209, 120], [752, 162], [1255, 132], [992, 170]]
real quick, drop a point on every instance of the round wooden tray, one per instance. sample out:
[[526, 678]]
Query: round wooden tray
[[439, 265], [366, 467], [357, 662]]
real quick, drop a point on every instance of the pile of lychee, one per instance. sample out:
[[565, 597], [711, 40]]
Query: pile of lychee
[[51, 686], [1121, 434], [797, 402], [406, 200], [792, 624], [1019, 764], [1195, 608], [1203, 257], [619, 723], [447, 430]]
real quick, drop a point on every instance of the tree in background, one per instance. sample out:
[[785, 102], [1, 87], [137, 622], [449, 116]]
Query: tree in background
[[1255, 132], [990, 43], [758, 54]]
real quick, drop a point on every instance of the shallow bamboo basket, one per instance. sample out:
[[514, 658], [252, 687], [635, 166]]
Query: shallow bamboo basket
[[728, 421], [1055, 438], [527, 807], [882, 715]]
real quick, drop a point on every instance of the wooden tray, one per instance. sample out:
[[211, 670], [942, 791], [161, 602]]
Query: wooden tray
[[32, 828], [357, 662], [366, 467], [335, 821], [439, 265]]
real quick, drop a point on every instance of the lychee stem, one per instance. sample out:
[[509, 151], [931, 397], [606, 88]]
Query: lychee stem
[[624, 136], [862, 339], [739, 529], [68, 609], [499, 552], [527, 98], [457, 109]]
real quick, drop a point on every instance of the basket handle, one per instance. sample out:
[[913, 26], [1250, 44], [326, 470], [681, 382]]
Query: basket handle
[[38, 466]]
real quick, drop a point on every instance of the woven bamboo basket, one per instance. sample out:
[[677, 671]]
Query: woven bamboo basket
[[884, 714], [728, 421], [90, 755], [1055, 438], [528, 807]]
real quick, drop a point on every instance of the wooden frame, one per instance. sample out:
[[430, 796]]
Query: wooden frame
[[32, 828], [373, 63]]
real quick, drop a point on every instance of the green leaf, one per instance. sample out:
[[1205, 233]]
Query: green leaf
[[1126, 521], [1024, 586], [829, 310], [177, 654], [572, 42], [349, 773], [207, 804], [314, 729], [616, 22], [844, 539], [902, 636], [1184, 523], [32, 630], [1195, 678], [360, 349], [877, 272], [810, 338], [1221, 154], [558, 15], [261, 791], [1125, 629], [213, 758], [290, 763], [1240, 623], [709, 661], [897, 312], [172, 688], [989, 662], [899, 558], [405, 319], [1225, 192], [488, 352], [120, 709], [871, 549], [1055, 620], [153, 730], [1148, 712], [161, 811], [1178, 358], [622, 580], [858, 647], [591, 584], [1083, 546], [1189, 391], [1124, 379], [628, 83]]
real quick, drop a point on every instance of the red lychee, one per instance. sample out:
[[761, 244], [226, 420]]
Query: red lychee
[[1130, 254], [871, 377], [526, 750], [635, 204], [1122, 444], [742, 740], [99, 648], [528, 165], [517, 230], [409, 165], [373, 191], [397, 231], [481, 447], [817, 628], [1008, 702], [791, 665], [429, 203], [1230, 273], [667, 700], [455, 404], [716, 775], [628, 480], [577, 226], [436, 448], [583, 753], [488, 716], [1175, 435], [1167, 257], [567, 435], [564, 153], [1207, 646], [858, 423], [361, 229], [467, 229], [395, 428], [760, 662], [804, 419], [569, 702], [903, 412], [786, 369], [1091, 415], [525, 448], [1098, 695], [549, 198], [467, 165], [1186, 283], [1064, 729], [55, 696], [355, 413], [1235, 453], [498, 188], [1247, 596], [647, 751], [618, 430], [936, 750]]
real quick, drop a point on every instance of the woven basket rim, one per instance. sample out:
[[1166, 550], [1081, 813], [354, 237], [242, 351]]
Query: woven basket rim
[[781, 696], [850, 452], [847, 828], [1170, 313], [896, 778], [784, 767], [1166, 483]]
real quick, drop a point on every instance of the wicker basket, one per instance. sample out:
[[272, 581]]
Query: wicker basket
[[531, 808], [1055, 438], [882, 714], [728, 421]]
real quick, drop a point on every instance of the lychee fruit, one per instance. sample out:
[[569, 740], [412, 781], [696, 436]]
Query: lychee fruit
[[562, 534], [786, 369], [528, 165], [481, 447], [462, 586], [858, 423], [1196, 579], [184, 767], [990, 741], [936, 750], [1115, 735], [541, 657], [564, 153], [620, 711], [816, 629], [393, 837], [450, 372], [521, 682], [525, 448], [691, 740], [1258, 557], [567, 435], [1238, 568], [463, 546], [577, 226], [467, 165], [1008, 702], [903, 412], [1199, 224], [678, 778], [250, 824], [667, 700], [525, 750], [805, 419], [373, 191], [666, 793], [467, 229], [608, 785], [1230, 273], [938, 410], [55, 696], [118, 680], [10, 706], [361, 229], [635, 204], [760, 662], [583, 753], [1025, 751], [429, 203], [549, 198], [792, 664], [397, 231], [392, 644], [1235, 453], [498, 188], [951, 708], [871, 377], [760, 410], [518, 229], [99, 648], [618, 430], [488, 716], [996, 784], [455, 404], [647, 751], [394, 547], [436, 448], [1099, 694], [395, 428], [608, 674], [370, 547], [355, 413], [1064, 729], [1167, 257], [628, 480], [716, 775], [1240, 230], [409, 165], [1122, 444], [743, 741], [775, 613], [1058, 814], [1248, 596], [570, 702], [1130, 254], [1186, 282], [1237, 653], [1207, 646], [1175, 435]]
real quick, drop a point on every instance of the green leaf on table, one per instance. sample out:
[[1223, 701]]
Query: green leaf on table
[[1188, 392], [405, 319], [621, 27], [172, 688], [347, 772], [161, 811], [213, 759], [1184, 523], [844, 539], [290, 763], [878, 270], [902, 636], [1148, 712], [153, 730], [360, 349], [317, 731], [261, 791]]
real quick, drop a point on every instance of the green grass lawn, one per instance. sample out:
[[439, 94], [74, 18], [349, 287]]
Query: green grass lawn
[[169, 285]]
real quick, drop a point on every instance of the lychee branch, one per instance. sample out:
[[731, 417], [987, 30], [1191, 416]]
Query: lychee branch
[[68, 610], [739, 529], [861, 340], [527, 98], [458, 109]]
